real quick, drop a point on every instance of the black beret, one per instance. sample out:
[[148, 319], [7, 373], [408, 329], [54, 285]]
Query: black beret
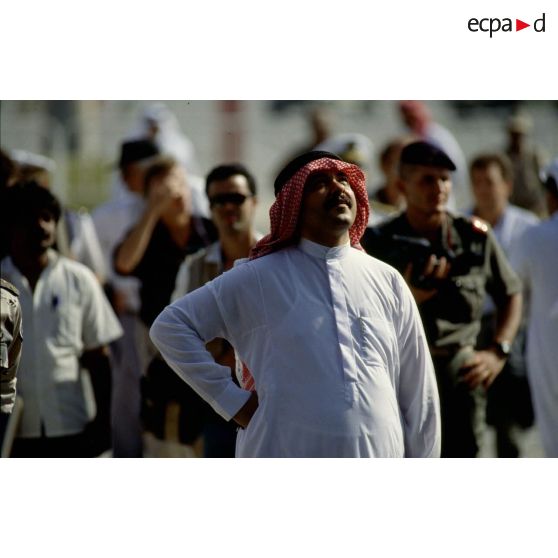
[[426, 154], [136, 150], [297, 163]]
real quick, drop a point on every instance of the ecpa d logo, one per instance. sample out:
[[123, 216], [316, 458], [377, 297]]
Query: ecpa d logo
[[494, 24]]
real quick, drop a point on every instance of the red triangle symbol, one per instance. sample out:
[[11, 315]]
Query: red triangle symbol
[[519, 25]]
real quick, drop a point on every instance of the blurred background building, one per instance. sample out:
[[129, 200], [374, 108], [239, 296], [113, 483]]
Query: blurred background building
[[83, 137]]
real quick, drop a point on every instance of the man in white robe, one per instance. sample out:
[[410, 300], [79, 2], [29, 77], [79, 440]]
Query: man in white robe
[[536, 261], [336, 362]]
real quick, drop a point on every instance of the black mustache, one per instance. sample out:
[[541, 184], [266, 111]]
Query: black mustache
[[335, 199]]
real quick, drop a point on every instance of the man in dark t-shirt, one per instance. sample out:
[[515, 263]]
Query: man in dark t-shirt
[[164, 235], [152, 251]]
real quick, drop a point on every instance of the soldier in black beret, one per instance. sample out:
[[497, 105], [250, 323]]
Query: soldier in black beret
[[449, 262]]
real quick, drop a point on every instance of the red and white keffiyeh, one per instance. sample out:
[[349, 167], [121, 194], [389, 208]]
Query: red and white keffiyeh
[[285, 211]]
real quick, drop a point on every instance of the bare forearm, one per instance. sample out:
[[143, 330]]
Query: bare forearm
[[508, 319], [133, 248]]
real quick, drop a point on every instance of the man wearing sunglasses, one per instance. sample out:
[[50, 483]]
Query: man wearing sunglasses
[[335, 360], [231, 191]]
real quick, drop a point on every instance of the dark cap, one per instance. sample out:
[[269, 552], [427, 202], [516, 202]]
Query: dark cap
[[549, 177], [136, 150], [425, 154], [296, 164]]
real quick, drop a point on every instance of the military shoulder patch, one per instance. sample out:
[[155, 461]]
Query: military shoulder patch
[[479, 225]]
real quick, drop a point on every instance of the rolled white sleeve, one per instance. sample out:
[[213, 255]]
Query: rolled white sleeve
[[100, 325], [180, 333], [418, 390]]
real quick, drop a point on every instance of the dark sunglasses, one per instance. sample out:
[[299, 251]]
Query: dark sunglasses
[[222, 199]]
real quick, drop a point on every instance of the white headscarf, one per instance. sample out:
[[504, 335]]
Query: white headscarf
[[169, 138]]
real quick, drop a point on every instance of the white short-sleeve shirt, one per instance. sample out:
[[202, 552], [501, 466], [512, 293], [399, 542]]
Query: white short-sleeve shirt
[[66, 315]]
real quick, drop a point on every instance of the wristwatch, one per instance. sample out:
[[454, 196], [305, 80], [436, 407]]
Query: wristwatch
[[503, 348]]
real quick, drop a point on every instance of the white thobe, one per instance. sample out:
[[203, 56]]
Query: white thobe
[[512, 225], [112, 221], [84, 243], [336, 346], [536, 261]]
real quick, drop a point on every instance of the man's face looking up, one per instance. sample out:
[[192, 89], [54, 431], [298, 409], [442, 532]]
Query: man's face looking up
[[328, 204]]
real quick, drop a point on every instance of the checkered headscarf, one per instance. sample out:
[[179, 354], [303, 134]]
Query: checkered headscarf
[[285, 211]]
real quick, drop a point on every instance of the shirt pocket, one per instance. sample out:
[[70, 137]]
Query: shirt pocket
[[467, 297], [377, 342], [67, 331]]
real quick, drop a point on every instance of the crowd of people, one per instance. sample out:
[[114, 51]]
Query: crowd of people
[[388, 319]]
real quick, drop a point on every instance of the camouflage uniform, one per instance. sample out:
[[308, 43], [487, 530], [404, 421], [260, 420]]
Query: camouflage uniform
[[452, 317], [10, 345]]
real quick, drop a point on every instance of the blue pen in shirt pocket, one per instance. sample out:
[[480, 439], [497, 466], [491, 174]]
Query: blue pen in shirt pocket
[[54, 302]]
